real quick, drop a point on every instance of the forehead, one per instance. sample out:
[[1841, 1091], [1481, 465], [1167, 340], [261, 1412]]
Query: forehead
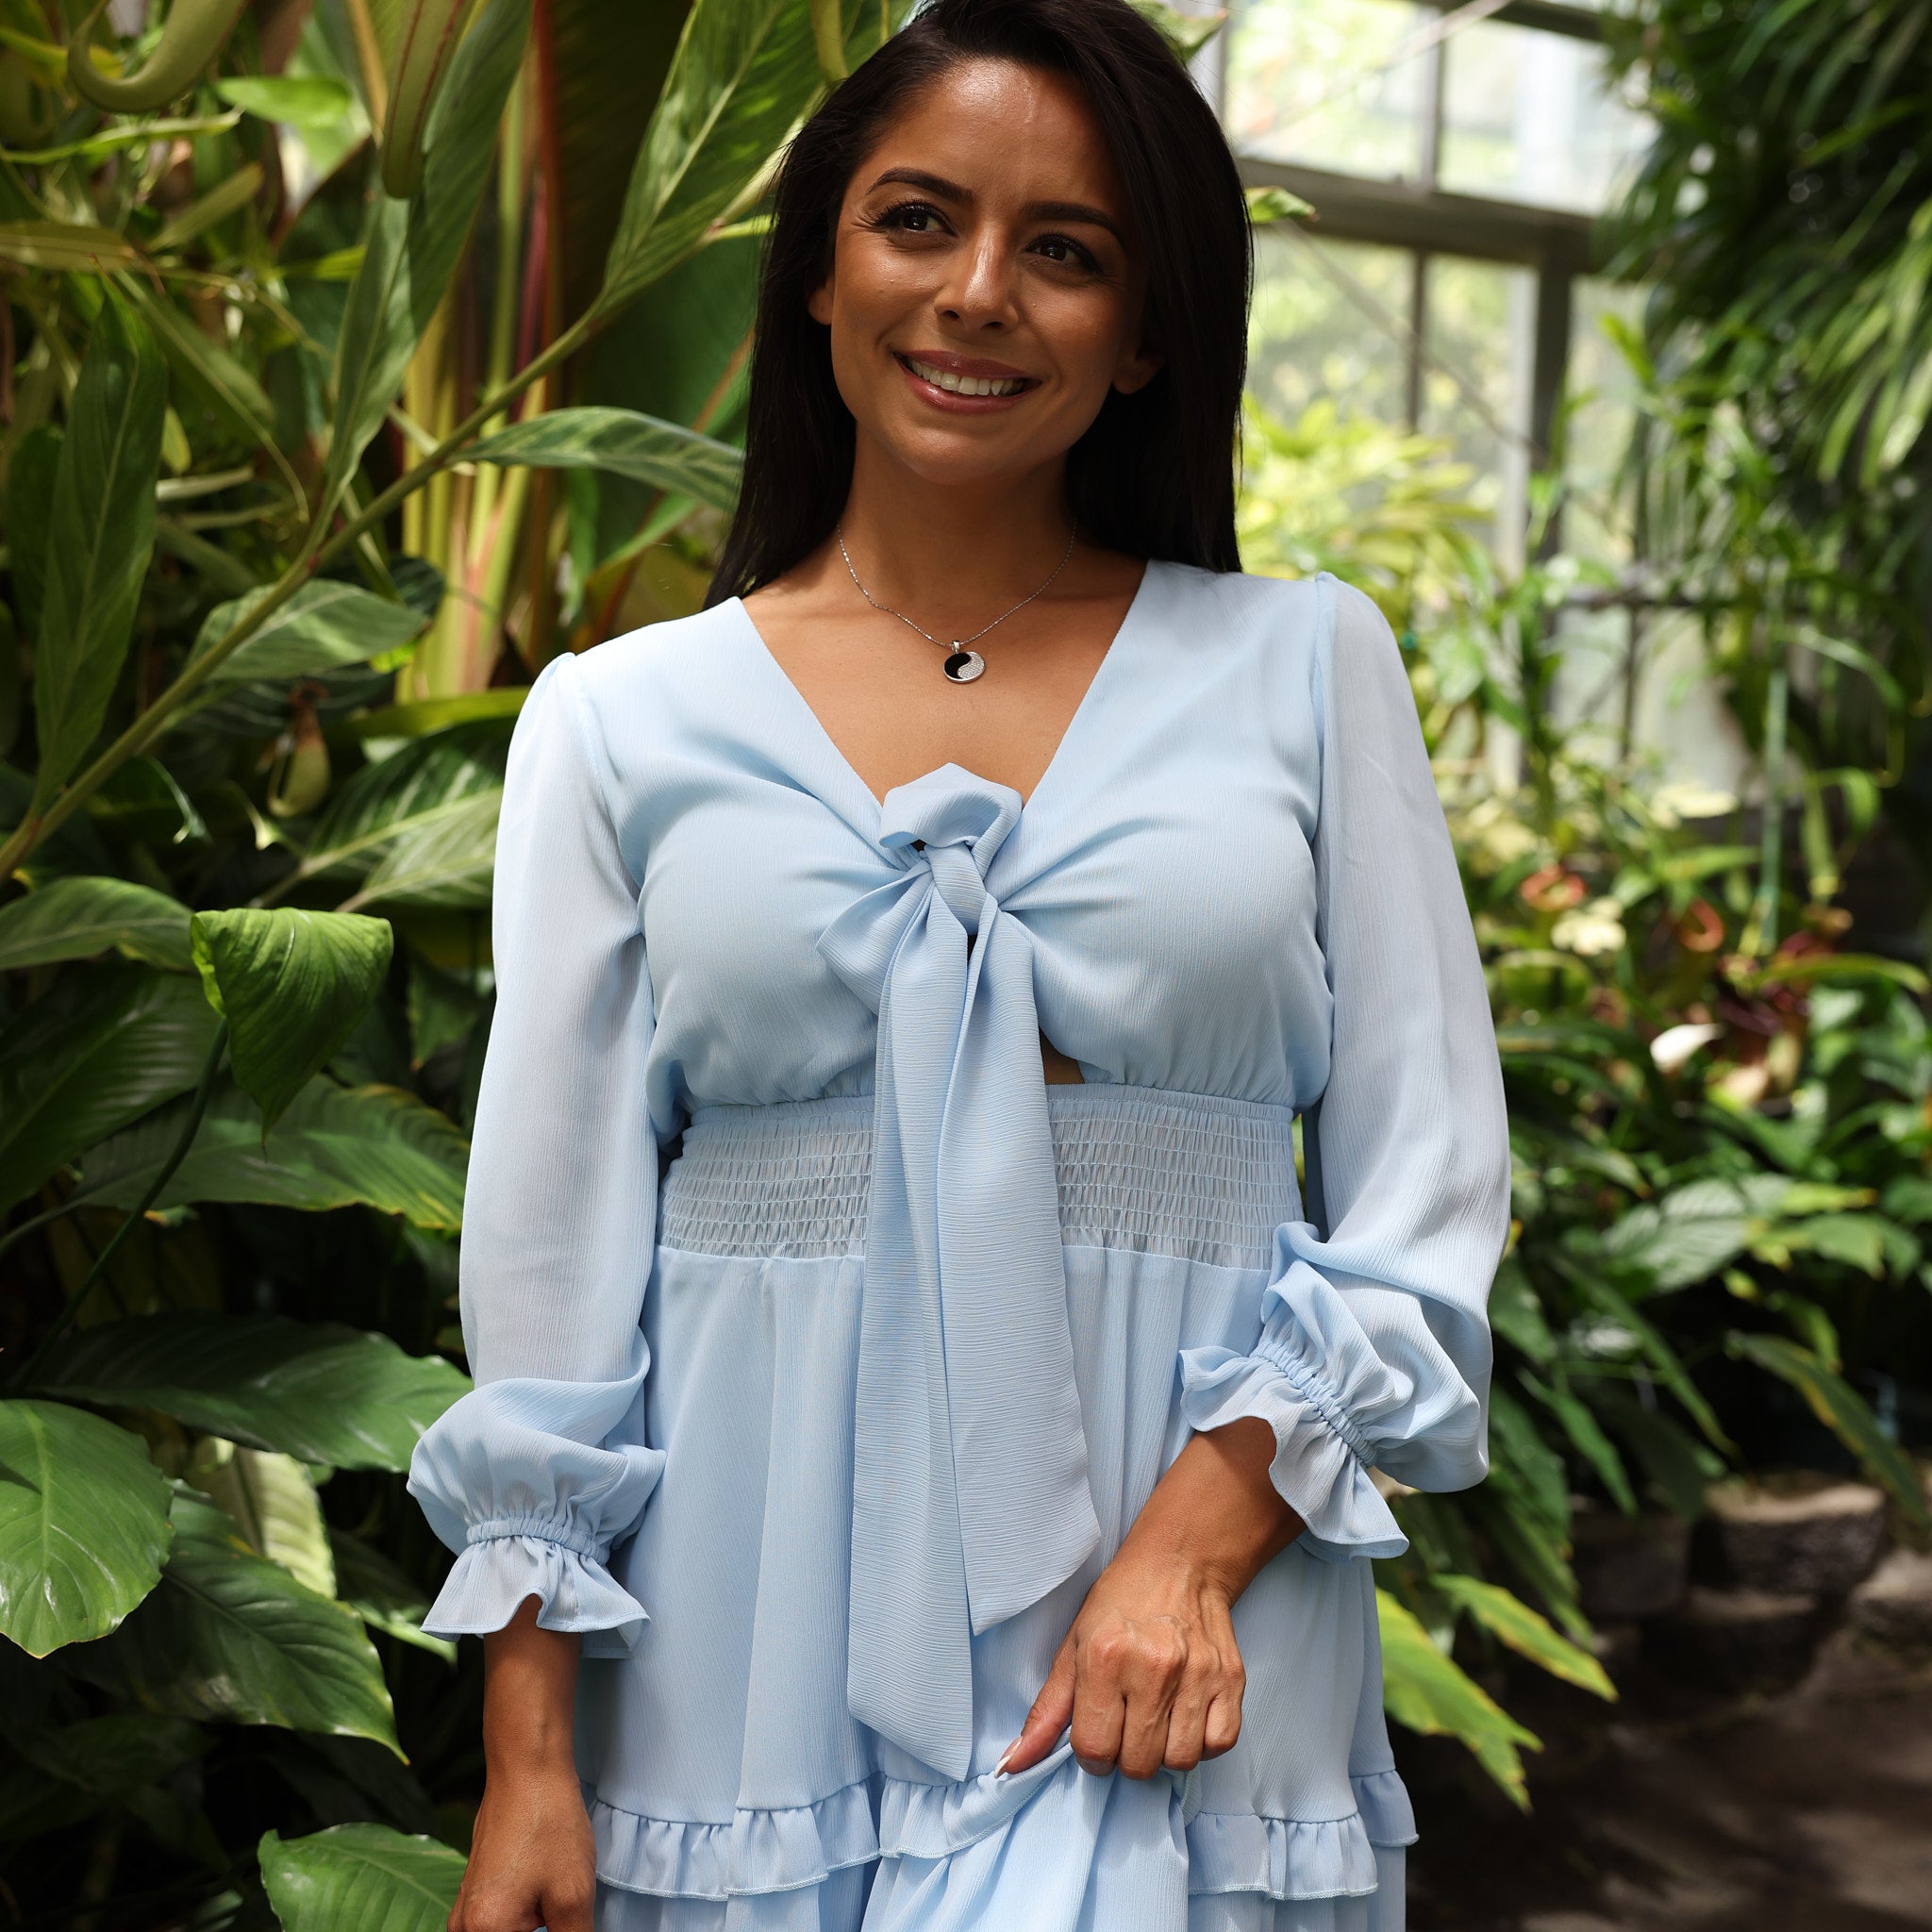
[[1005, 133]]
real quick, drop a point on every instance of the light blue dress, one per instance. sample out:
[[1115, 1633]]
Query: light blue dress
[[825, 1354]]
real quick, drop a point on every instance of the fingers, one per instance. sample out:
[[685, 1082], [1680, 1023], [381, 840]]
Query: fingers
[[568, 1901], [1048, 1717], [1155, 1693]]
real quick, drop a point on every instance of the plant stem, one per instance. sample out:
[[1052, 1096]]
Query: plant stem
[[313, 556], [77, 1299], [1771, 861]]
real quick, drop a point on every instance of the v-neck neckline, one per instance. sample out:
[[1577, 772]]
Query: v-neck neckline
[[1068, 734]]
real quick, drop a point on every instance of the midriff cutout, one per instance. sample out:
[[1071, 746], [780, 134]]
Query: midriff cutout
[[1059, 1069]]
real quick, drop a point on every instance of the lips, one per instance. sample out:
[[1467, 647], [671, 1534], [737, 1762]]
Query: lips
[[964, 383]]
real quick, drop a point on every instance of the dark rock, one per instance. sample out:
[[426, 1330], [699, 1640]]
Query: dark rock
[[1628, 1567], [1893, 1607], [1739, 1640], [1797, 1536]]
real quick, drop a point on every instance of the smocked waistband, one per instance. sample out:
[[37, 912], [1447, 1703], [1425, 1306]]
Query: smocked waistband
[[1189, 1175]]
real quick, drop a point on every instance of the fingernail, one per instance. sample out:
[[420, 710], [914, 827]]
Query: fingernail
[[999, 1769]]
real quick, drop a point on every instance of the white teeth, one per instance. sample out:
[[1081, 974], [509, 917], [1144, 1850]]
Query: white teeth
[[965, 385]]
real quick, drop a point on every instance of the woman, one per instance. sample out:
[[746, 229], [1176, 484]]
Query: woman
[[957, 1478]]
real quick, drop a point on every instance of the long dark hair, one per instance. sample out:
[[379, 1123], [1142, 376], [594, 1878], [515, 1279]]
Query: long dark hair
[[1154, 476]]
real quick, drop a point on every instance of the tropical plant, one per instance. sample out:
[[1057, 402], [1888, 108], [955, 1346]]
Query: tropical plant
[[314, 453]]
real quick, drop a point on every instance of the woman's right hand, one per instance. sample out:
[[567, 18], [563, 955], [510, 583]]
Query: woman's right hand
[[532, 1860]]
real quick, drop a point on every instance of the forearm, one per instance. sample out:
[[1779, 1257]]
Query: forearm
[[1216, 1513], [529, 1695]]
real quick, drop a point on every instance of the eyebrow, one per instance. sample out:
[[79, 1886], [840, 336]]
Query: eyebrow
[[1036, 211]]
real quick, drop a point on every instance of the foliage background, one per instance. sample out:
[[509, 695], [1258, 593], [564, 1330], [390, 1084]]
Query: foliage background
[[304, 479]]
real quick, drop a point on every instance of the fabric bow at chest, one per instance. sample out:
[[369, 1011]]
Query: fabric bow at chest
[[969, 1495]]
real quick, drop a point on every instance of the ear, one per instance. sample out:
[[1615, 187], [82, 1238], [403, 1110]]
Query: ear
[[819, 304], [1137, 369]]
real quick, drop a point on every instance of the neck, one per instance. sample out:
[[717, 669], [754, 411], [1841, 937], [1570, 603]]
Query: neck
[[947, 552]]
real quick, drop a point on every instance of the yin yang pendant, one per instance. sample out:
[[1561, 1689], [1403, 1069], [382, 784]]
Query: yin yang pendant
[[964, 666]]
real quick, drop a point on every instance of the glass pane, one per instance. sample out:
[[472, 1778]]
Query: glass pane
[[1529, 116], [1601, 397], [1308, 338], [1310, 81], [1480, 331]]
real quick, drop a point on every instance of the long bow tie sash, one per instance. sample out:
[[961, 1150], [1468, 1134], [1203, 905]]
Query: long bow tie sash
[[969, 1495]]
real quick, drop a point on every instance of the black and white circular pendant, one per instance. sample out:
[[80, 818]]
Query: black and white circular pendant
[[962, 667]]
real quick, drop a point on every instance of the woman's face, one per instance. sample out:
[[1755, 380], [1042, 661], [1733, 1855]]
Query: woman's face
[[986, 289]]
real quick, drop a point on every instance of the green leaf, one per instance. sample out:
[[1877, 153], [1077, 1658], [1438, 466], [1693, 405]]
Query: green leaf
[[305, 101], [1266, 204], [318, 1391], [1844, 1411], [745, 73], [77, 918], [405, 796], [271, 1499], [425, 37], [335, 1147], [1186, 33], [325, 625], [229, 1636], [1512, 1620], [100, 533], [364, 1875], [628, 443], [447, 861], [1586, 1438], [293, 987], [420, 717], [83, 1525], [1694, 1231], [411, 249], [1429, 1692], [384, 1595], [30, 473], [98, 1052], [1516, 1313]]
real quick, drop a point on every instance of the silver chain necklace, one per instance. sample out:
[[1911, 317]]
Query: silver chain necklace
[[962, 664]]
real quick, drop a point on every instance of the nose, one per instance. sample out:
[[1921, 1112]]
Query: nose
[[979, 294]]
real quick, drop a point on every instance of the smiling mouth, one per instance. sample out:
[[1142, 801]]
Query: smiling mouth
[[955, 384]]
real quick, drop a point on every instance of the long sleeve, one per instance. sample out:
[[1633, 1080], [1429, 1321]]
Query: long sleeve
[[535, 1475], [1375, 1347]]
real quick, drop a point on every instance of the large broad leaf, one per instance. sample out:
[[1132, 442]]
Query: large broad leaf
[[321, 1392], [1425, 1691], [448, 862], [335, 1147], [1842, 1410], [292, 986], [272, 1500], [383, 1594], [1695, 1230], [99, 535], [412, 247], [31, 469], [83, 1525], [429, 780], [1512, 1620], [745, 74], [364, 1875], [229, 1636], [99, 1051], [77, 918], [324, 626], [626, 443]]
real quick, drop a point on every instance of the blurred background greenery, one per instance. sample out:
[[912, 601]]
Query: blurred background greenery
[[1593, 344]]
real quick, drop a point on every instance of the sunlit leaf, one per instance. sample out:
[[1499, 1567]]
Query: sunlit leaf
[[325, 625], [100, 534], [1512, 1620], [83, 1525], [336, 1147], [229, 1636], [77, 918], [626, 443], [1426, 1692], [364, 1875], [318, 1391], [292, 986]]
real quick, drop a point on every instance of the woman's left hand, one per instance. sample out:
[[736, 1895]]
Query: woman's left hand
[[1150, 1676]]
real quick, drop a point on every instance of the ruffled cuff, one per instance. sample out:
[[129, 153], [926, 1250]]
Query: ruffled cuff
[[1321, 1466], [532, 1484]]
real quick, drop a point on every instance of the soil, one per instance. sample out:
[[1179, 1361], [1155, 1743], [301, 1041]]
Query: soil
[[1682, 1810]]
